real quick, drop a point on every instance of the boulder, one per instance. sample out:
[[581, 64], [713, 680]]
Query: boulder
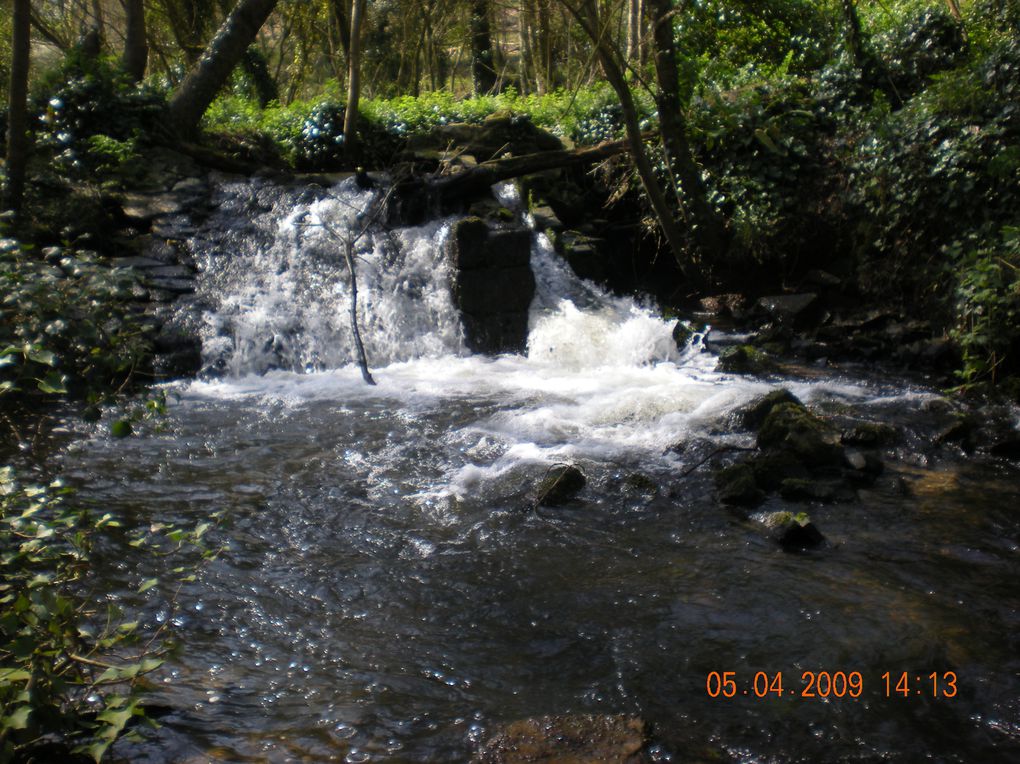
[[745, 359], [753, 415], [792, 428], [561, 484], [493, 285], [736, 485], [734, 305], [771, 468], [793, 532], [568, 739], [790, 309]]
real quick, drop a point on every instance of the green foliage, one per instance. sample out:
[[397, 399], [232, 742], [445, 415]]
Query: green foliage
[[725, 42], [929, 41], [937, 174], [72, 670], [63, 324], [79, 102], [762, 147], [64, 666], [988, 309], [310, 134]]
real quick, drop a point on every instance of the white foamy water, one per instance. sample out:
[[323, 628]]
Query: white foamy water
[[602, 378], [286, 306]]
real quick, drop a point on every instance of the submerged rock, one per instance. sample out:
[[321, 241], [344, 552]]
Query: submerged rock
[[568, 739], [561, 484]]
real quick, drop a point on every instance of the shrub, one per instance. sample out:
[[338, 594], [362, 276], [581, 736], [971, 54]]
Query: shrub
[[988, 309], [79, 101], [58, 676], [63, 323], [929, 41]]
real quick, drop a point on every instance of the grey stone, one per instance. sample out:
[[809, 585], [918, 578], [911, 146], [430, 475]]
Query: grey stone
[[789, 308], [561, 484]]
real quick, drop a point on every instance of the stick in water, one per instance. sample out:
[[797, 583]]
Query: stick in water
[[362, 358]]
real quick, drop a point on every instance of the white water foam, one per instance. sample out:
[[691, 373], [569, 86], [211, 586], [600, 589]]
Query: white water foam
[[602, 379], [287, 306]]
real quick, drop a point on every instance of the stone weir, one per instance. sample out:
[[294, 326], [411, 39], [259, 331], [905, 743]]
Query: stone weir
[[492, 284]]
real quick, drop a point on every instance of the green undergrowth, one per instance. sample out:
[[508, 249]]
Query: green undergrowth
[[74, 666], [65, 325], [309, 133]]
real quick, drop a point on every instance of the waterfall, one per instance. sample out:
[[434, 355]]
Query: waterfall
[[283, 303]]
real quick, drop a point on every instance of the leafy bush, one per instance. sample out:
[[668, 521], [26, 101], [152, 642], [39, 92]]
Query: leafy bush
[[59, 680], [63, 325], [79, 101], [762, 150], [726, 37], [988, 309], [928, 42]]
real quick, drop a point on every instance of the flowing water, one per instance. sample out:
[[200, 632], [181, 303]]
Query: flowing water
[[385, 591]]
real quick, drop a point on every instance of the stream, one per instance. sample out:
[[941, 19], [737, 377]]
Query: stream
[[386, 591]]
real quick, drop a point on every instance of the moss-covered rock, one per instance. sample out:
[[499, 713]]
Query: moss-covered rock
[[736, 485], [771, 468], [641, 483], [753, 414], [793, 531], [792, 428], [746, 359]]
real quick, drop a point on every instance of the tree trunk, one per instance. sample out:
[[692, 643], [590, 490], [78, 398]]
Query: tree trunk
[[211, 72], [136, 47], [17, 115], [353, 81], [527, 57], [482, 69], [543, 46], [340, 25], [635, 13], [954, 9], [706, 228], [588, 17]]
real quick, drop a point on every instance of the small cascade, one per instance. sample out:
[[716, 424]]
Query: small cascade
[[284, 303], [280, 301]]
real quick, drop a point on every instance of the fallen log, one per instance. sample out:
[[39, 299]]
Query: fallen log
[[477, 180]]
